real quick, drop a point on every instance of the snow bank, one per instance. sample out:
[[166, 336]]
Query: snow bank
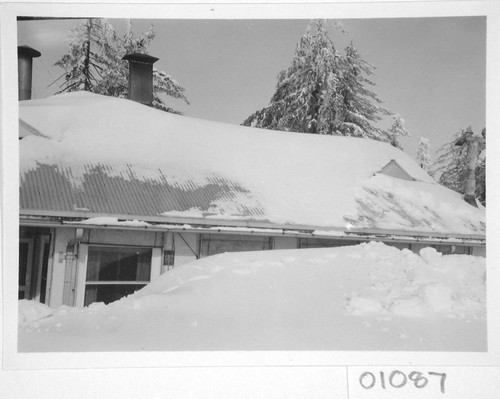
[[31, 311], [365, 297], [409, 285]]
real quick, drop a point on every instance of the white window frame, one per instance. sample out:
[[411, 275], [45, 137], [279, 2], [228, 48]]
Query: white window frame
[[83, 261]]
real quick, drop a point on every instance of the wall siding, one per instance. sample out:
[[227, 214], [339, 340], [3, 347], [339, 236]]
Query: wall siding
[[62, 237], [186, 247]]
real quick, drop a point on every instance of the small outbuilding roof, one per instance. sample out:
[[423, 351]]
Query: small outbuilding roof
[[104, 156]]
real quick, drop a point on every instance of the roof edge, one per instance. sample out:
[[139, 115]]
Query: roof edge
[[212, 222], [73, 218], [255, 231], [422, 234]]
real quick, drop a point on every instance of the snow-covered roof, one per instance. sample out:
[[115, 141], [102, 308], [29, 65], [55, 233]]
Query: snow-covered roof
[[104, 156]]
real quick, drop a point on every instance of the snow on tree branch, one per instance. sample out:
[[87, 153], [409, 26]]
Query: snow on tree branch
[[325, 92], [450, 168], [94, 62], [424, 158]]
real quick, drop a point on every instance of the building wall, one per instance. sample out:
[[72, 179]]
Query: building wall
[[399, 245], [67, 273], [186, 247], [285, 243], [59, 266], [479, 251]]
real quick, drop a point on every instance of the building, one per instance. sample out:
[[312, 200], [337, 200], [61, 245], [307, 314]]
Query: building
[[114, 193]]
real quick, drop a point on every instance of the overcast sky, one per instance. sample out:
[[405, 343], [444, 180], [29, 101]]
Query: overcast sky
[[432, 71]]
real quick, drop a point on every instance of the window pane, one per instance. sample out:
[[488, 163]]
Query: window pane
[[93, 262], [118, 264], [444, 249], [212, 245], [460, 250], [108, 293], [325, 243]]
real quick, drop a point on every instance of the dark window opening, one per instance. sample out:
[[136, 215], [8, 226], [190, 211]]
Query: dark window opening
[[114, 272]]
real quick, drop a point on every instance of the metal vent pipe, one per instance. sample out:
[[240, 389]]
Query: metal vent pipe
[[25, 55], [140, 81]]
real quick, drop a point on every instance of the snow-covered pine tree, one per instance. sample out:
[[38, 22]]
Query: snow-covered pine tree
[[94, 62], [450, 168], [397, 130], [424, 158], [361, 106], [83, 62], [311, 78], [323, 92], [481, 179]]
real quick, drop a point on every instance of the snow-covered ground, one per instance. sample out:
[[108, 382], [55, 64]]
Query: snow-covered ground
[[365, 297]]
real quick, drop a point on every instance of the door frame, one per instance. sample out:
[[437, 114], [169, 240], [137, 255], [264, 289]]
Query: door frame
[[43, 240], [29, 266]]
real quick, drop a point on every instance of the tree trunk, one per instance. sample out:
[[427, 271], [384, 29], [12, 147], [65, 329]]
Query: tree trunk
[[470, 185], [86, 62]]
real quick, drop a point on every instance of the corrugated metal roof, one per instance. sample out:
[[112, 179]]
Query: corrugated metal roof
[[101, 190]]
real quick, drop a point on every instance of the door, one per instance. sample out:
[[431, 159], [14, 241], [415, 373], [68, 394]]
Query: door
[[42, 268], [25, 267]]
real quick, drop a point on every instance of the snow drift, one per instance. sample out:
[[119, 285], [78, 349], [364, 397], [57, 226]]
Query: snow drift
[[365, 297]]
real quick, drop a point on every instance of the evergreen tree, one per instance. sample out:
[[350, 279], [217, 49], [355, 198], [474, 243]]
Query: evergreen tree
[[94, 62], [361, 108], [302, 88], [83, 63], [324, 92], [450, 168], [397, 130], [424, 158]]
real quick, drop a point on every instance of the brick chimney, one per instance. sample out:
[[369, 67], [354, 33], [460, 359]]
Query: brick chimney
[[25, 55], [140, 81]]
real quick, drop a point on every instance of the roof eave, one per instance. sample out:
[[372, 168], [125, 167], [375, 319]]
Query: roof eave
[[63, 217], [420, 234], [162, 223]]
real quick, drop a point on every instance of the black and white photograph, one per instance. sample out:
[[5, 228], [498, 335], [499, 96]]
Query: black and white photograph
[[201, 185], [224, 188]]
